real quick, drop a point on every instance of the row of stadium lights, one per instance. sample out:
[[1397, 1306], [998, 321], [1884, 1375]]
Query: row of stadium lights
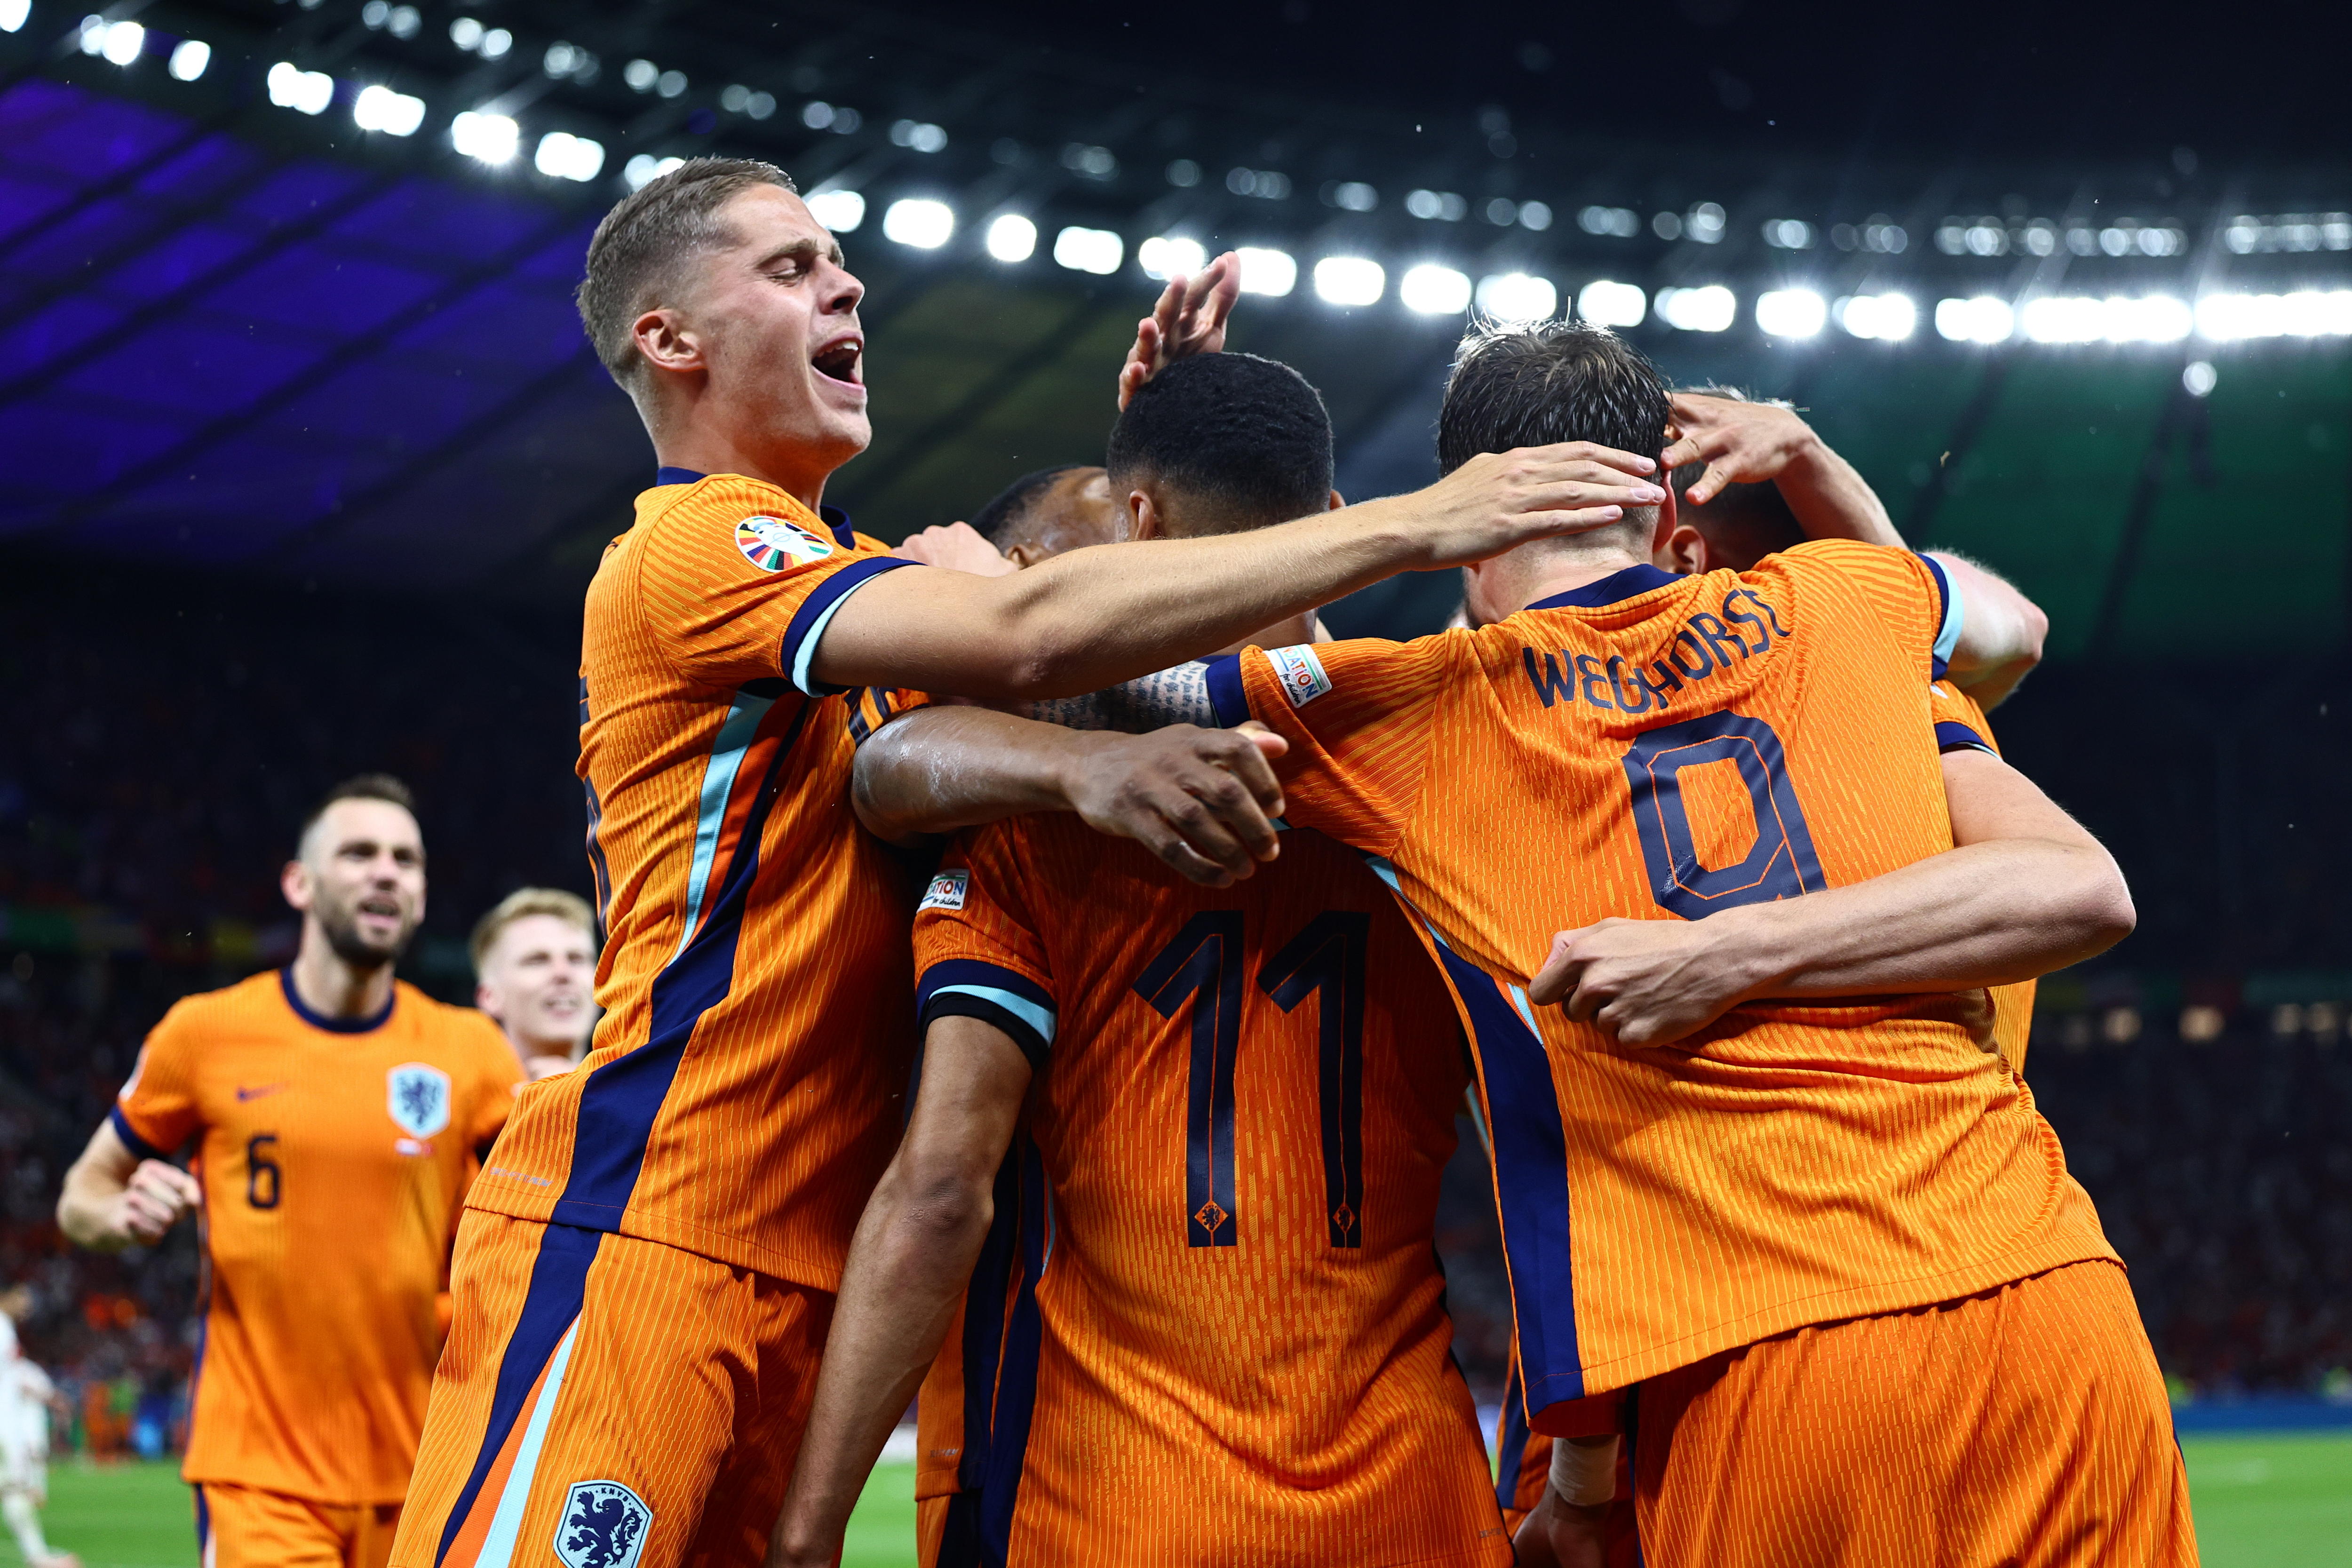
[[1428, 289]]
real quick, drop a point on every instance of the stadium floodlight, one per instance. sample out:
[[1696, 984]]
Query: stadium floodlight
[[840, 211], [920, 222], [2152, 319], [645, 168], [491, 138], [1890, 318], [1791, 312], [1704, 223], [1983, 319], [1434, 291], [1517, 296], [564, 156], [189, 58], [2305, 313], [2197, 378], [1273, 273], [1163, 257], [14, 15], [122, 42], [1708, 308], [1608, 304], [1095, 250], [495, 44], [291, 87], [393, 113], [1349, 281], [466, 33], [1011, 237]]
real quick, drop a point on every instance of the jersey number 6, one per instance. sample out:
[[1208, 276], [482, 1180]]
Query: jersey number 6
[[1204, 966], [263, 1179]]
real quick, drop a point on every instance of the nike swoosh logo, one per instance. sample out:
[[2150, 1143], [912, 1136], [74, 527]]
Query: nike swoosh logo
[[244, 1093]]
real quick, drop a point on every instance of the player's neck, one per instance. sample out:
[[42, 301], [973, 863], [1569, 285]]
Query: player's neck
[[332, 986], [1561, 576], [714, 452]]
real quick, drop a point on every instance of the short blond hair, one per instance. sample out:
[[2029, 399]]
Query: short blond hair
[[521, 904]]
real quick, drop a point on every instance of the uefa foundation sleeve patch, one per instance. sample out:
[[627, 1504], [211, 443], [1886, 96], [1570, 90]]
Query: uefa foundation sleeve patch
[[946, 891], [1300, 672], [772, 543]]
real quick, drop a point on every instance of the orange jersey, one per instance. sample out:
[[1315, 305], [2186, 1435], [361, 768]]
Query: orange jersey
[[335, 1155], [1655, 747], [1961, 724], [1209, 1326], [740, 1100]]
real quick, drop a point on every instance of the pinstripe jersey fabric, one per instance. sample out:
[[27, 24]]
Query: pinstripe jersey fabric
[[1219, 1335], [1649, 746], [1960, 723], [741, 1099], [334, 1156]]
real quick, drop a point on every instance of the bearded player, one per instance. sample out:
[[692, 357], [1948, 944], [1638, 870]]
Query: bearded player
[[646, 1279], [336, 1116]]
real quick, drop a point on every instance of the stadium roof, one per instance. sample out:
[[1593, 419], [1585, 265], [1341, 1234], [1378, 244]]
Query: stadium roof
[[246, 331]]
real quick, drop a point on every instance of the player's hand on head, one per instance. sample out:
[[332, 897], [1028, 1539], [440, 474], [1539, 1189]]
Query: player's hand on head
[[1203, 801], [156, 1198], [1646, 983], [1740, 443], [957, 546], [1190, 319], [1499, 501]]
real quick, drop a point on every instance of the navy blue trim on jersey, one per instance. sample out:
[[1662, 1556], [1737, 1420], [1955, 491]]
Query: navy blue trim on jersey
[[1016, 1384], [833, 518], [203, 1524], [1939, 658], [600, 874], [1631, 582], [960, 1539], [985, 1309], [130, 1140], [550, 1305], [669, 475], [622, 1097], [1531, 1176], [1226, 694], [334, 1026], [1005, 998], [1511, 1453], [1951, 736], [809, 620]]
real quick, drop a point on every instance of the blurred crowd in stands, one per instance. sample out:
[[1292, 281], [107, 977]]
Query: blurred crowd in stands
[[165, 735]]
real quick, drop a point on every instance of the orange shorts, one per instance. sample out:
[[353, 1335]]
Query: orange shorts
[[243, 1527], [609, 1403], [2025, 1424]]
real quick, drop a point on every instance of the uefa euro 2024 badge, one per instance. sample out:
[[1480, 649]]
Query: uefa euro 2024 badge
[[772, 543], [418, 1095], [604, 1526]]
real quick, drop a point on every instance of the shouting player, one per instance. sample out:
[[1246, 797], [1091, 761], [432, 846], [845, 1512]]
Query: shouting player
[[1234, 1105], [337, 1115], [534, 964], [1713, 1184], [646, 1282]]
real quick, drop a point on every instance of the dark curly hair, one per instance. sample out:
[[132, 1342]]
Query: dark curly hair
[[1245, 440]]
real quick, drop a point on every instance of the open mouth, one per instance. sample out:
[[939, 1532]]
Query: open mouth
[[842, 360]]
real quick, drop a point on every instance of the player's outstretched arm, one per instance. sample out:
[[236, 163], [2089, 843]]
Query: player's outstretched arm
[[114, 1199], [2027, 891], [1749, 443], [1204, 800], [908, 1266], [2001, 631], [1097, 617]]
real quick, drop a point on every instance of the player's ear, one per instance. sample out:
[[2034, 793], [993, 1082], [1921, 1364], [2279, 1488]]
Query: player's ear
[[1338, 500], [1143, 519], [1684, 552], [666, 341], [294, 881]]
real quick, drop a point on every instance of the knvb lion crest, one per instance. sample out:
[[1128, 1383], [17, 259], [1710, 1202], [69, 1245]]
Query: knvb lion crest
[[604, 1526], [418, 1097]]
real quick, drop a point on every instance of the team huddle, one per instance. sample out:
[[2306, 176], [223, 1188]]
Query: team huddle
[[1109, 1135]]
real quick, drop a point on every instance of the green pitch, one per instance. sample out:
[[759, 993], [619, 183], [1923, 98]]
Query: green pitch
[[2262, 1502]]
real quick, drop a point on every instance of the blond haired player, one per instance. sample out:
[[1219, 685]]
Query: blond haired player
[[534, 969], [337, 1115], [644, 1287]]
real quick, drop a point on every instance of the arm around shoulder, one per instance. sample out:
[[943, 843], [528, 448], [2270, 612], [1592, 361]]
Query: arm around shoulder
[[2000, 633]]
